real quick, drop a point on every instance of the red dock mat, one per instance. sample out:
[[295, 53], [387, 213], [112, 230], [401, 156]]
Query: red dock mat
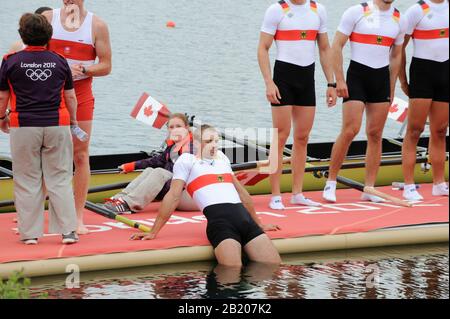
[[185, 229]]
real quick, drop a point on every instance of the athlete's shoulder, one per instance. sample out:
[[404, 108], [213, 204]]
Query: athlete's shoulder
[[186, 158], [10, 55], [277, 7]]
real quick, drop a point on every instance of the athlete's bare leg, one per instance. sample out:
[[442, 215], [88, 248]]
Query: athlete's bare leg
[[281, 117], [82, 174], [417, 117], [438, 130], [303, 119], [352, 113], [229, 253], [262, 250], [376, 114]]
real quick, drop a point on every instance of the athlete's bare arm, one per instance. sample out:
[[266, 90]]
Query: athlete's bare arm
[[4, 98], [340, 40], [272, 92], [103, 49], [327, 66], [16, 46], [247, 201], [72, 104], [402, 74], [395, 65], [168, 206]]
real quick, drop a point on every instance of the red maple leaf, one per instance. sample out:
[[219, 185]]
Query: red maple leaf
[[394, 108], [148, 111]]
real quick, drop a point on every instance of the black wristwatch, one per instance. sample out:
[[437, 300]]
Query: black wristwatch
[[83, 70], [332, 85], [4, 117]]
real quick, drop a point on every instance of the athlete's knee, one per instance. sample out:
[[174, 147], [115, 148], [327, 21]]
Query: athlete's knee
[[414, 132], [81, 157], [439, 132], [301, 140], [374, 135], [349, 133]]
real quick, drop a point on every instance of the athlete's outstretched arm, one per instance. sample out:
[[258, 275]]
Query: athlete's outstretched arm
[[327, 66], [247, 201], [102, 48], [272, 92], [396, 61], [339, 42], [168, 206], [402, 74]]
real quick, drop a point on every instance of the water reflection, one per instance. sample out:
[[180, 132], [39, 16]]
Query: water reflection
[[417, 276]]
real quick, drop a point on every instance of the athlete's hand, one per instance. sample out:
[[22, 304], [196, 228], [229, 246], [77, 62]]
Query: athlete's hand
[[405, 88], [121, 169], [342, 89], [77, 70], [4, 125], [270, 227], [272, 93], [143, 236], [331, 97]]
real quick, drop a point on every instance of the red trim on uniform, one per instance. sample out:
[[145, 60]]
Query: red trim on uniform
[[83, 90], [430, 34], [296, 35], [73, 50], [207, 180], [129, 167], [425, 6], [64, 115], [13, 116], [139, 104], [35, 48], [372, 39]]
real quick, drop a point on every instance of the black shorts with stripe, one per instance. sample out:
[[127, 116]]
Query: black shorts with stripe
[[429, 80], [295, 83], [230, 221], [367, 84]]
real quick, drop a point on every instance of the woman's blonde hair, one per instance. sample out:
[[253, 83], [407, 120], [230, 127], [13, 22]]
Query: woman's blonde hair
[[180, 116]]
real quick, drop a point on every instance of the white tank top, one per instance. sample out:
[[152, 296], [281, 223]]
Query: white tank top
[[372, 33], [295, 29], [209, 182], [78, 46], [428, 26]]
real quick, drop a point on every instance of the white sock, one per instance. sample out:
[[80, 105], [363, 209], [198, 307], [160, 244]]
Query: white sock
[[371, 198], [329, 193], [440, 189], [410, 193], [300, 199], [276, 203]]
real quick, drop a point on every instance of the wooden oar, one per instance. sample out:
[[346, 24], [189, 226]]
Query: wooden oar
[[98, 209]]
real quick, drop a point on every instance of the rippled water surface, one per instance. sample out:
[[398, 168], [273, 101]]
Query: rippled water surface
[[397, 272]]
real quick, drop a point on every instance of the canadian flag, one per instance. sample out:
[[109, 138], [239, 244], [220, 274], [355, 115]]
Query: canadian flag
[[150, 111], [251, 178], [399, 110]]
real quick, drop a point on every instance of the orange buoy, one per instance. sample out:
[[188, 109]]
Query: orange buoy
[[170, 24]]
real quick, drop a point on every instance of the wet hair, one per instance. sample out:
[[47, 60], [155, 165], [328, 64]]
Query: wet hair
[[199, 131], [35, 30], [180, 116], [41, 10]]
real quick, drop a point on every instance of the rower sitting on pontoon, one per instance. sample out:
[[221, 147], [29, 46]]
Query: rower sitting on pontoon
[[154, 182], [228, 207]]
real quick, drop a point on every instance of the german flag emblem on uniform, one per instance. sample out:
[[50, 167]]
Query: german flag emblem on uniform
[[379, 39], [220, 179], [303, 34], [443, 33]]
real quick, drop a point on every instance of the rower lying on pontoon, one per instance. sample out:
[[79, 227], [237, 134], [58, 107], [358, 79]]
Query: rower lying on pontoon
[[228, 207]]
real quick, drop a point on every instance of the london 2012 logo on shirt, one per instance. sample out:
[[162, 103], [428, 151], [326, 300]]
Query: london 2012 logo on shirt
[[38, 74]]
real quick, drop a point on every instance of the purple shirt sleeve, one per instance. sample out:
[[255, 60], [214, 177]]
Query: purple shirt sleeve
[[4, 85], [69, 80]]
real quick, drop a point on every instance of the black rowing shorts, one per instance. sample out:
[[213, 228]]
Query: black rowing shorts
[[295, 83], [367, 84], [429, 80], [230, 221]]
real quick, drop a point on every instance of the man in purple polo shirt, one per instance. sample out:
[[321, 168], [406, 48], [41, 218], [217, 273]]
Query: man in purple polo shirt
[[39, 85]]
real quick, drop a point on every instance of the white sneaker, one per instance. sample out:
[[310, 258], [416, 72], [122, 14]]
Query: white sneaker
[[276, 203], [440, 190], [300, 199], [329, 192], [410, 193], [371, 198], [32, 241]]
